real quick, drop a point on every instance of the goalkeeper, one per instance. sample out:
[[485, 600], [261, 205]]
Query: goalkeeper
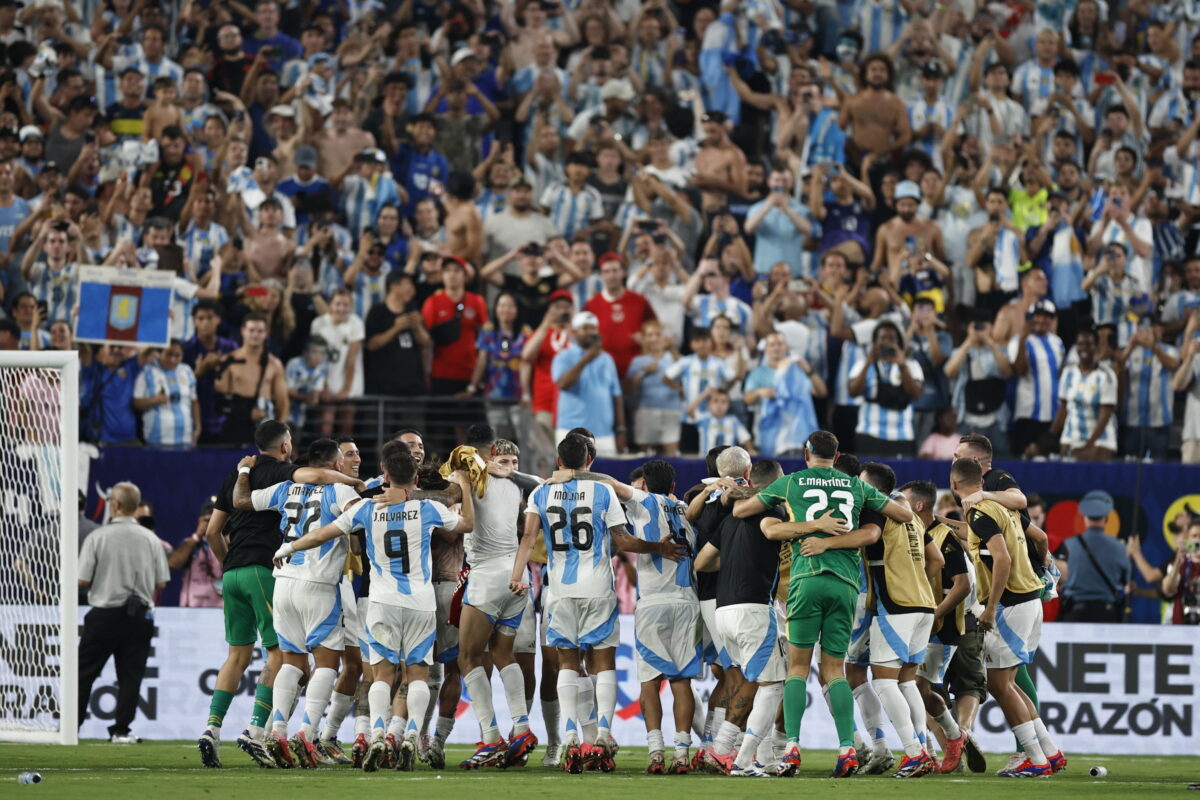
[[245, 541]]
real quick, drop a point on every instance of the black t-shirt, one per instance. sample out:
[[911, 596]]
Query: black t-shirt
[[706, 526], [254, 536], [395, 368], [532, 298], [956, 564], [749, 561]]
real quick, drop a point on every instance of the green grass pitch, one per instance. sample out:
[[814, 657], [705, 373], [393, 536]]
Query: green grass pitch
[[171, 771]]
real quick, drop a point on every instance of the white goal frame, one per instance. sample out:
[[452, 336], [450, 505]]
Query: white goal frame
[[67, 363]]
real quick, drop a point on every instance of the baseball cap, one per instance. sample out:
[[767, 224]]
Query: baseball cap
[[607, 257], [908, 189], [562, 294], [933, 69], [584, 318], [305, 156], [282, 110], [1096, 504], [1044, 306], [30, 131], [51, 165], [319, 58], [461, 55]]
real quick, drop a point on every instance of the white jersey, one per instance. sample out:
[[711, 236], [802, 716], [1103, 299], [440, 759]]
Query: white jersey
[[652, 518], [1037, 389], [304, 507], [398, 547], [576, 519], [495, 534]]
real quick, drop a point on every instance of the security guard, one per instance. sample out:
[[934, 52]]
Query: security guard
[[1094, 565], [122, 565]]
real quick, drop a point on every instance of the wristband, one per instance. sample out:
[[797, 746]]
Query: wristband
[[243, 470]]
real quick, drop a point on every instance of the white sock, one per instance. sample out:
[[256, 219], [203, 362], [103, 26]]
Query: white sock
[[418, 703], [949, 724], [714, 725], [916, 709], [706, 733], [761, 721], [480, 689], [568, 698], [778, 744], [339, 707], [872, 714], [214, 731], [683, 743], [896, 707], [737, 743], [654, 741], [550, 718], [586, 707], [256, 732], [747, 750], [283, 694], [606, 701], [396, 726], [514, 692], [1026, 734], [699, 720], [362, 724], [316, 697], [444, 726], [764, 751], [434, 681], [1049, 748], [727, 734], [379, 700]]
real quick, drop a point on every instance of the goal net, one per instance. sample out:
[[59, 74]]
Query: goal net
[[39, 516]]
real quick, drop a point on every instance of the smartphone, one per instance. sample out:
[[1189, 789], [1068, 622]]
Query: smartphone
[[257, 291], [887, 352], [647, 225], [979, 326], [1105, 79]]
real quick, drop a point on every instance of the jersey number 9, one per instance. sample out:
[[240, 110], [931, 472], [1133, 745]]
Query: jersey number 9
[[395, 545]]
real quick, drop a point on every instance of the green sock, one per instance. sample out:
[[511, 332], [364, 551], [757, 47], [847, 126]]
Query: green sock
[[841, 700], [795, 698], [1025, 683], [262, 706], [218, 707]]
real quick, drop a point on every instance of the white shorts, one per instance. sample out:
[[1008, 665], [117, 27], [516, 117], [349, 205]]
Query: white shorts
[[667, 641], [488, 592], [400, 635], [751, 636], [576, 622], [363, 603], [937, 659], [446, 648], [711, 648], [606, 446], [307, 615], [526, 641], [656, 426], [859, 651], [899, 638], [351, 624], [1016, 636]]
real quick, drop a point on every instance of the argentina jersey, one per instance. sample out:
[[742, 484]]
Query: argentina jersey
[[397, 542], [576, 518], [725, 431], [705, 309], [653, 518], [171, 422], [1037, 389], [304, 507], [1148, 392], [876, 419], [1084, 394]]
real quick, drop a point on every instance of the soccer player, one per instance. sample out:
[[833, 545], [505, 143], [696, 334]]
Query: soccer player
[[823, 588], [748, 626], [1010, 591], [400, 617], [245, 553], [306, 605], [951, 587], [667, 611], [580, 520]]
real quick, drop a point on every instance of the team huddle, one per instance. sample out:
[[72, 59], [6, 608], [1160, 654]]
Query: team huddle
[[388, 597]]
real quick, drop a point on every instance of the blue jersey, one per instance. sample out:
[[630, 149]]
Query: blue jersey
[[417, 172], [653, 518], [169, 424], [304, 507], [577, 517]]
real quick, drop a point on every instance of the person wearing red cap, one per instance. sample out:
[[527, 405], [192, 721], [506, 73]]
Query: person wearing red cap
[[620, 311], [553, 336]]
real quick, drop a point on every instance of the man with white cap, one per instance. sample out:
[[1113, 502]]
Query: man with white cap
[[1094, 565], [589, 391], [612, 114], [905, 240]]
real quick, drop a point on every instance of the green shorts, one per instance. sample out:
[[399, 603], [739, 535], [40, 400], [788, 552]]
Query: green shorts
[[247, 592], [820, 608]]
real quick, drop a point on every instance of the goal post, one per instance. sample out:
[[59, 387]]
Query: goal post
[[39, 560]]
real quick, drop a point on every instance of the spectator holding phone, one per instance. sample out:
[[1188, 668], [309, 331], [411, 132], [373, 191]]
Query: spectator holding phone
[[888, 381], [980, 370], [165, 393], [780, 226]]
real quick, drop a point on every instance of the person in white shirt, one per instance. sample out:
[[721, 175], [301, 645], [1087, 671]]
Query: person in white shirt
[[1087, 405], [165, 393], [1037, 356], [344, 333], [1120, 223]]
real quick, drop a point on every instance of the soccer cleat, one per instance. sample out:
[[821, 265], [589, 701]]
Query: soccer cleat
[[755, 770], [391, 752], [407, 756], [332, 753], [437, 753], [607, 761], [1058, 763], [698, 759], [879, 762], [573, 760], [657, 764], [305, 751], [128, 737], [976, 761], [552, 755], [847, 764], [210, 750], [932, 763], [277, 746], [680, 765], [1030, 770], [953, 755], [789, 765], [519, 748], [375, 756], [358, 751], [487, 754], [423, 748], [256, 750], [911, 767], [592, 753], [718, 763], [1014, 761]]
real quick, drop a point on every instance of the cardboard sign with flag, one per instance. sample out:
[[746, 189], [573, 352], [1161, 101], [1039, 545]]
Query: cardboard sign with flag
[[124, 306]]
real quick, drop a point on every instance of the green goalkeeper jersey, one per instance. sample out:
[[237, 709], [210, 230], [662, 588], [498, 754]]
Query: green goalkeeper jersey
[[809, 494]]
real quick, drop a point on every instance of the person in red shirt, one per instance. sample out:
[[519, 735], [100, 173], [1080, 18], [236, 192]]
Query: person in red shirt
[[621, 313], [551, 338], [454, 318]]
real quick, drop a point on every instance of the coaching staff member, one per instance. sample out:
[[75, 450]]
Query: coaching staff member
[[122, 565]]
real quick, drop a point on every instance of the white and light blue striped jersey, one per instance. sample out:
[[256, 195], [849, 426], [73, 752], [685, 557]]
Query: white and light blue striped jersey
[[653, 518], [705, 308], [1171, 105], [201, 244], [1084, 395], [171, 423], [650, 63], [304, 378], [423, 81], [26, 343], [58, 290], [1178, 305], [696, 375], [397, 544], [1033, 84], [572, 212], [163, 69], [303, 508], [577, 518], [1148, 392], [1037, 389], [368, 290], [491, 201], [725, 431], [875, 420], [586, 288], [783, 423], [921, 114], [362, 199], [1006, 258], [1111, 299], [880, 22]]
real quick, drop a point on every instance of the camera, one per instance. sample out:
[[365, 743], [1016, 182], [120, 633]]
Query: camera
[[647, 225], [533, 249], [271, 52], [887, 352], [979, 326]]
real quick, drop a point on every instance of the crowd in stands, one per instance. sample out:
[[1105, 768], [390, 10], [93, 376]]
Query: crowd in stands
[[898, 219]]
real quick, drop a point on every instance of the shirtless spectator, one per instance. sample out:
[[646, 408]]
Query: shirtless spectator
[[876, 118], [250, 385], [720, 165], [268, 249], [464, 227], [338, 143], [905, 238]]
